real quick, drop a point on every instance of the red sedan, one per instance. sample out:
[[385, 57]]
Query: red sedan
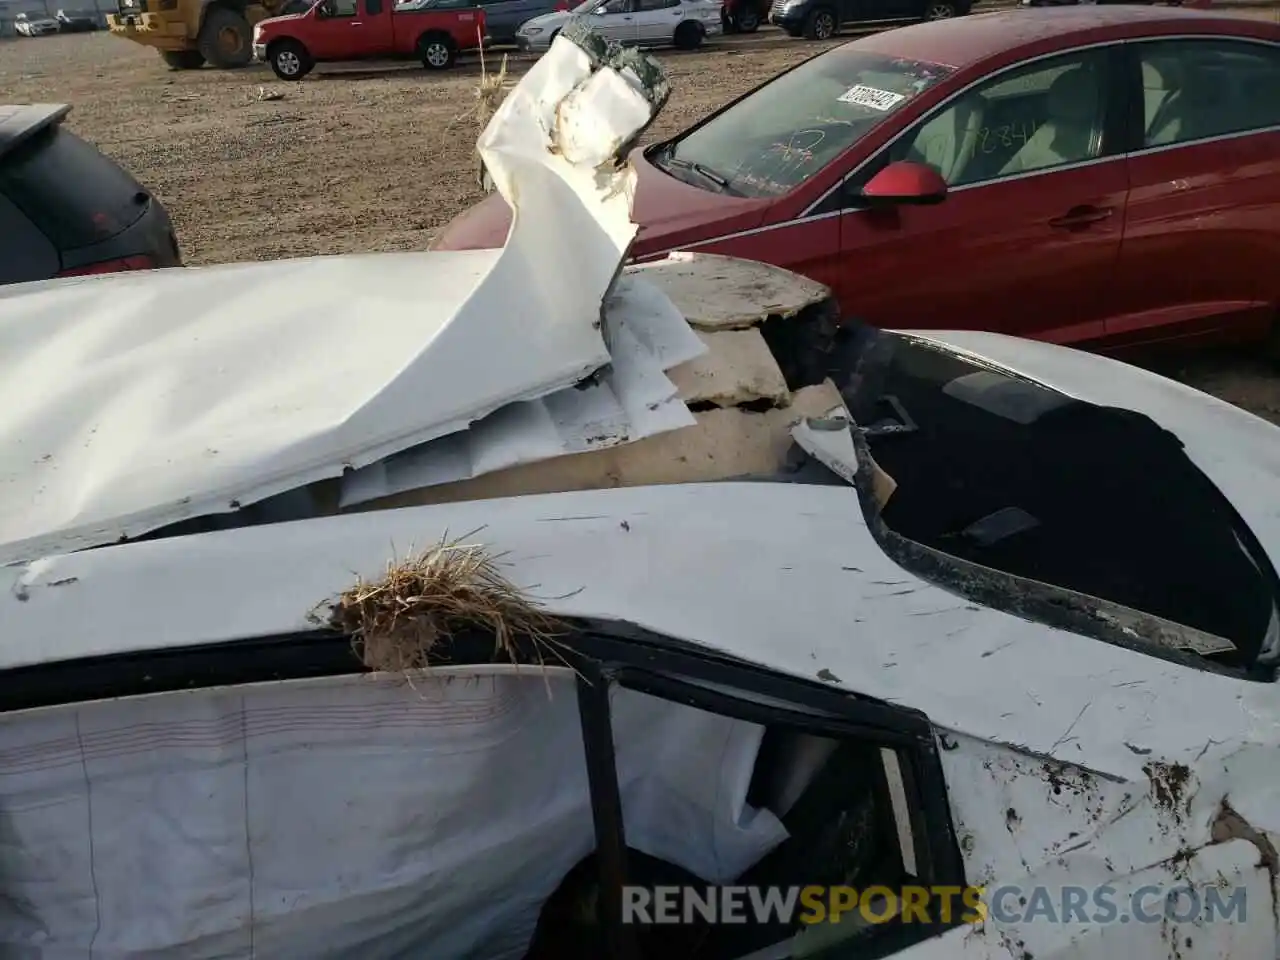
[[1104, 176]]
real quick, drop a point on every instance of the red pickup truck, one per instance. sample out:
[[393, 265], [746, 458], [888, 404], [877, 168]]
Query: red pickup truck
[[433, 31]]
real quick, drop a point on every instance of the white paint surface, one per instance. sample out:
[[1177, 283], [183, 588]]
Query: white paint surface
[[131, 401]]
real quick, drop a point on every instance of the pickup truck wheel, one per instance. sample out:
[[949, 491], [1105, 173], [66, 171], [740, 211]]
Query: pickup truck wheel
[[821, 25], [688, 36], [438, 51], [226, 39], [748, 21], [183, 59], [289, 60]]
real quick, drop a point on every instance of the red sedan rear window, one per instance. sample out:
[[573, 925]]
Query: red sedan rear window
[[773, 140]]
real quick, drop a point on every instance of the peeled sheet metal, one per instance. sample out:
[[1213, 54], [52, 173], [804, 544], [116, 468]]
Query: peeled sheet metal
[[631, 400], [133, 401]]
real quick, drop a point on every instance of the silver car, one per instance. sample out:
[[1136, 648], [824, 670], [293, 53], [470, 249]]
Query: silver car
[[644, 23], [34, 26]]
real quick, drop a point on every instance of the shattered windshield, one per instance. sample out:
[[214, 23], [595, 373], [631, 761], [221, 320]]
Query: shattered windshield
[[778, 137], [983, 465]]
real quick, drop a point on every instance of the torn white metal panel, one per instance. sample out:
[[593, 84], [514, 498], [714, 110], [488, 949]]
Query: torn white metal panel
[[851, 613], [133, 401], [722, 444], [631, 400], [829, 440], [551, 148], [1236, 450], [725, 293]]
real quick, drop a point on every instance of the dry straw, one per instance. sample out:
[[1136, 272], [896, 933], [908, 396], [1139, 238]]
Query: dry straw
[[490, 92], [406, 620]]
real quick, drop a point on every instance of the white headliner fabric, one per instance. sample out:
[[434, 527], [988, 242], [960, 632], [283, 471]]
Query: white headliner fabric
[[343, 817]]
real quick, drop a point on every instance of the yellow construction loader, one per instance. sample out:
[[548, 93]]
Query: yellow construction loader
[[190, 33]]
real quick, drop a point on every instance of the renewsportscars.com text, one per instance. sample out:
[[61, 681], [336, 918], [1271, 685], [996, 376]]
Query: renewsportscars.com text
[[1006, 904]]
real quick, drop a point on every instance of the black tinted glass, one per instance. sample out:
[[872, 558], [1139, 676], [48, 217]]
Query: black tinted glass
[[74, 194]]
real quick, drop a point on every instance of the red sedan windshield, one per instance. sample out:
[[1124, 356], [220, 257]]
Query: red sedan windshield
[[781, 135]]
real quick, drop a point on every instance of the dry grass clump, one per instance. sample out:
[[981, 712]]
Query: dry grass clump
[[407, 619], [491, 91]]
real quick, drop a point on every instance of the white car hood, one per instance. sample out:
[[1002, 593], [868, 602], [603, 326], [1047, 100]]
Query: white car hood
[[133, 401], [1238, 451]]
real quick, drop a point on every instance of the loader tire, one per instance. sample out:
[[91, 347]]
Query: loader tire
[[183, 59], [226, 39]]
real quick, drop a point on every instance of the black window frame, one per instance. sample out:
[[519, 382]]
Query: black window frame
[[373, 8], [638, 660]]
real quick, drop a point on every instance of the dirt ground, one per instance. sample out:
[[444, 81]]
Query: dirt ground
[[350, 160], [360, 159]]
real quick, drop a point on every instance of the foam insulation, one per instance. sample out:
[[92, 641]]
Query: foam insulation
[[726, 293], [737, 368]]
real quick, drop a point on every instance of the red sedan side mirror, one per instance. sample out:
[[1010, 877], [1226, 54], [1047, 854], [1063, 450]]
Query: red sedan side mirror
[[905, 182]]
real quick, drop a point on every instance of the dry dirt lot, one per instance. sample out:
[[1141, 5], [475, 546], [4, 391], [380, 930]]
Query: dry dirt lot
[[357, 159], [350, 159]]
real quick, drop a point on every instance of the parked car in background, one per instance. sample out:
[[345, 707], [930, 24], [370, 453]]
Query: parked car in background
[[504, 17], [1105, 176], [823, 19], [76, 22], [433, 31], [1199, 4], [743, 16], [66, 209], [28, 26], [683, 24], [744, 606]]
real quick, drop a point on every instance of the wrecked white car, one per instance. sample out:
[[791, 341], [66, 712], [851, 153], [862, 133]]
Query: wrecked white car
[[690, 596]]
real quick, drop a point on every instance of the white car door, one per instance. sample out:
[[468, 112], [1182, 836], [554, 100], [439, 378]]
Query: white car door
[[1220, 906], [656, 20], [615, 20]]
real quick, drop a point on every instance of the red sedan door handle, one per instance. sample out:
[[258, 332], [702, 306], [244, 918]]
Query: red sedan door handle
[[1081, 216]]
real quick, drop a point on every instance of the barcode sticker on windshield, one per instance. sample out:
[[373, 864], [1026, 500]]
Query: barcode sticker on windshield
[[865, 96]]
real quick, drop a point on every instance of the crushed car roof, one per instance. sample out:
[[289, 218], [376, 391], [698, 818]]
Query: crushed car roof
[[133, 401], [451, 377], [786, 576]]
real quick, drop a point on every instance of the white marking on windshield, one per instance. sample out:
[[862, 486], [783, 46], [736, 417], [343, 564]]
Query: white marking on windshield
[[872, 97]]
